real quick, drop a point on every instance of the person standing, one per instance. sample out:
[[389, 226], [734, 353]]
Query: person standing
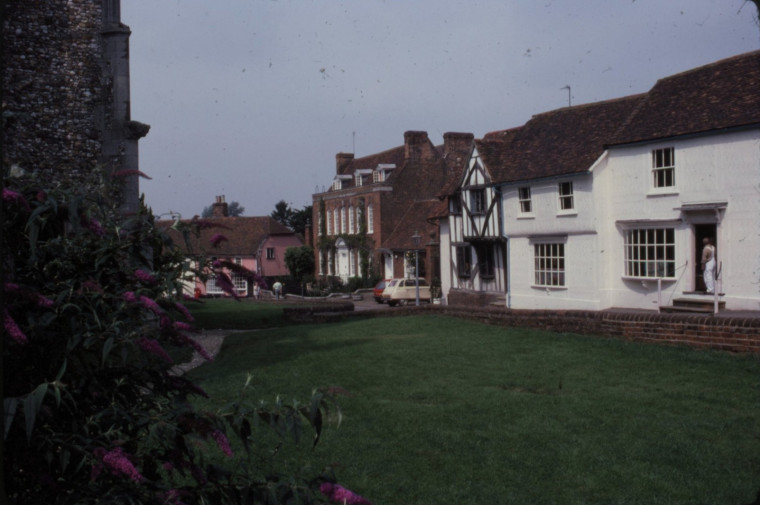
[[708, 265], [277, 289], [256, 290]]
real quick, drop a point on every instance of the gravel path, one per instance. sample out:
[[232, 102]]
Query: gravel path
[[211, 340]]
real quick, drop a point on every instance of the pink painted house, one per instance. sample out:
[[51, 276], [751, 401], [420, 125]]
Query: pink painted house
[[256, 243]]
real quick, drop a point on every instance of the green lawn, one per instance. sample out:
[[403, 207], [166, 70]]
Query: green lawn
[[444, 411], [245, 314]]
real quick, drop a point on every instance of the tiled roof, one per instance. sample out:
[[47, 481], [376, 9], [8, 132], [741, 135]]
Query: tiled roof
[[413, 221], [393, 156], [724, 94], [560, 142], [244, 234]]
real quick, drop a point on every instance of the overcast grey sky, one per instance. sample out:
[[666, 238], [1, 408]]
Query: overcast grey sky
[[252, 99]]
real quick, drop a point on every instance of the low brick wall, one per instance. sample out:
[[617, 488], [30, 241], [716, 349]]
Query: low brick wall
[[739, 334], [321, 312]]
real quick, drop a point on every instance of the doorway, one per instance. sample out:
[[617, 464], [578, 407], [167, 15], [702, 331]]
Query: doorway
[[702, 231]]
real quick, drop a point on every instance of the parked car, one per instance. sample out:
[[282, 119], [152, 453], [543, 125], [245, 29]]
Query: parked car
[[404, 291], [377, 292]]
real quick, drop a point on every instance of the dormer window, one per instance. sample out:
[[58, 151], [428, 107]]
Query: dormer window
[[341, 182], [361, 177], [382, 171]]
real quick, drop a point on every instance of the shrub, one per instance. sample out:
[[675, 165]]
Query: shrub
[[94, 409]]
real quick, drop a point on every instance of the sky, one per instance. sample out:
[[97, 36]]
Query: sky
[[252, 99]]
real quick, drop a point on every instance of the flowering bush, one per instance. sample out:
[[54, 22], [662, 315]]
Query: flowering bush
[[94, 409]]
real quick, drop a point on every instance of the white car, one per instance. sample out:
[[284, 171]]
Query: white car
[[404, 292]]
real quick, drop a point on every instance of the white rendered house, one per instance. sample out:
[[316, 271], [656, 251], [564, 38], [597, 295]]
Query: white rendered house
[[605, 205]]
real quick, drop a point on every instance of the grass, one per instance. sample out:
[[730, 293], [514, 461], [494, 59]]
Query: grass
[[444, 411], [211, 314]]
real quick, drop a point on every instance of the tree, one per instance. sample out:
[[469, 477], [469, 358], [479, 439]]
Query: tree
[[299, 219], [282, 213], [294, 219], [234, 209], [300, 262]]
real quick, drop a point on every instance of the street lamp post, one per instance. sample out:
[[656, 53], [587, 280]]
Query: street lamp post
[[416, 238]]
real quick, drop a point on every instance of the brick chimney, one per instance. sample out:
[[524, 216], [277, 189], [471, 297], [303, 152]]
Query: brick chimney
[[219, 208], [415, 144], [456, 148], [342, 161], [457, 142]]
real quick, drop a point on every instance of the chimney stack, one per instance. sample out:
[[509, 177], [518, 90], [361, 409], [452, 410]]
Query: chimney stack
[[415, 143], [219, 208], [342, 161]]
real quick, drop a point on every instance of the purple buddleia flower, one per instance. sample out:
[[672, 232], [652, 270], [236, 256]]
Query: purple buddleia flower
[[222, 442], [12, 329], [198, 475], [217, 239], [151, 305], [183, 326], [28, 294], [338, 494], [184, 311], [125, 173], [223, 281], [185, 339], [118, 462], [153, 347], [145, 277], [17, 198], [94, 226], [173, 496], [130, 296]]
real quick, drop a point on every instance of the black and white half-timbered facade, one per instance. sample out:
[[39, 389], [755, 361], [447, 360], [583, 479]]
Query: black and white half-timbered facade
[[478, 253]]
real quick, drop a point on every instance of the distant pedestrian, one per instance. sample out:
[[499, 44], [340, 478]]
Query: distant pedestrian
[[256, 290], [277, 289]]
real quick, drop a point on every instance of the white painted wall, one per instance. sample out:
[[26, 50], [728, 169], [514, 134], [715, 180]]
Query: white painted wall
[[718, 168], [446, 251], [576, 229]]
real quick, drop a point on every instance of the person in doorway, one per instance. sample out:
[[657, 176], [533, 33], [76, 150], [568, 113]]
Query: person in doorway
[[256, 290], [277, 289], [708, 265]]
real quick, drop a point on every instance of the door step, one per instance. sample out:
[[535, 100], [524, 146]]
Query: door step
[[702, 305]]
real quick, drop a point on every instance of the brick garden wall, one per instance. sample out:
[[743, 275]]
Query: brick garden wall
[[721, 333]]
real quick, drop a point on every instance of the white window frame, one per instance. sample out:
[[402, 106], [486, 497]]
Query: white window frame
[[377, 176], [524, 197], [319, 225], [370, 219], [478, 201], [549, 265], [351, 220], [336, 221], [664, 168], [358, 179], [650, 253], [566, 196], [273, 254], [343, 220], [329, 222], [238, 280]]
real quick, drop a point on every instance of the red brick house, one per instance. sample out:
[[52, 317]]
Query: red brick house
[[364, 224], [256, 243]]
